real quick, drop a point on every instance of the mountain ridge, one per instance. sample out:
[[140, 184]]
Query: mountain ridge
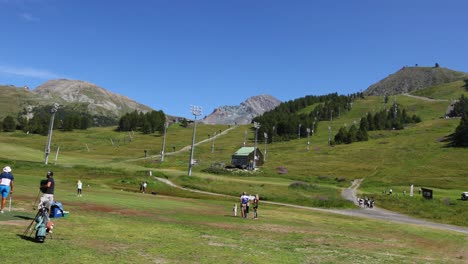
[[409, 79], [243, 113]]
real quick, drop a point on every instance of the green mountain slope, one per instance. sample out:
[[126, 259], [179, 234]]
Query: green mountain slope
[[390, 159], [448, 91], [409, 79]]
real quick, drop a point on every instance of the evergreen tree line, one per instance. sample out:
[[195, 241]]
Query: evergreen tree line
[[353, 134], [285, 122], [147, 123], [66, 118], [388, 119], [460, 107], [459, 138]]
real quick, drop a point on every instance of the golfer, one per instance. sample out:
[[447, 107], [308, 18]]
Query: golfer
[[6, 185], [48, 188]]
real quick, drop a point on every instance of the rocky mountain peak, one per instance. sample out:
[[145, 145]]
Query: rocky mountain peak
[[243, 113]]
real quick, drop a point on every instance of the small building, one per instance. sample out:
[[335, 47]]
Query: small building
[[426, 193], [244, 157]]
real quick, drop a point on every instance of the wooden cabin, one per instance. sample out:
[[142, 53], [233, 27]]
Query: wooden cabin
[[244, 157]]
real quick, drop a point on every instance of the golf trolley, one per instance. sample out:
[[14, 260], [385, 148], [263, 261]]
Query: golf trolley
[[43, 224]]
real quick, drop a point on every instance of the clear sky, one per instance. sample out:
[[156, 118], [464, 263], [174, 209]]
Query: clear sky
[[170, 54]]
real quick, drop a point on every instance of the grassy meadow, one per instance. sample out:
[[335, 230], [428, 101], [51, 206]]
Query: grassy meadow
[[113, 222]]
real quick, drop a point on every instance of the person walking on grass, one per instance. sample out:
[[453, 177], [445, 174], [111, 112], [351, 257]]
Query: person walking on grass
[[145, 184], [255, 206], [79, 186], [244, 199], [6, 185]]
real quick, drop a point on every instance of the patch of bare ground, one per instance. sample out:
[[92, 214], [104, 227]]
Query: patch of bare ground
[[15, 222], [110, 209], [214, 241]]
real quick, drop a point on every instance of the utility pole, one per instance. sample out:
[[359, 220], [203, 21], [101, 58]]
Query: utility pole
[[51, 127], [213, 142], [256, 126], [265, 135], [166, 124], [196, 111], [273, 134], [308, 141], [245, 137], [299, 131]]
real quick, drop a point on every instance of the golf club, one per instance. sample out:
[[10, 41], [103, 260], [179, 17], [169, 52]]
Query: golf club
[[9, 208], [35, 201]]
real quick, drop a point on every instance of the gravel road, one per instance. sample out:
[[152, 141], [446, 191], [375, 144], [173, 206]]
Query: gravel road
[[350, 194]]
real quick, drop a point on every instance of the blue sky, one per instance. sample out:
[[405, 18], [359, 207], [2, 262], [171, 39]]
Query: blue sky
[[170, 54]]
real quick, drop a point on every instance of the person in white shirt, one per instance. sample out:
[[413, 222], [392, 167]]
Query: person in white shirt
[[79, 186], [6, 185]]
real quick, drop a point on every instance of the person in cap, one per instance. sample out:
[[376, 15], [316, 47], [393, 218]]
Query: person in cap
[[6, 185], [49, 188]]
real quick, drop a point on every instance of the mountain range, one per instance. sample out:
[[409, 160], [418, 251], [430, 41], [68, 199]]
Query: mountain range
[[102, 102], [243, 113]]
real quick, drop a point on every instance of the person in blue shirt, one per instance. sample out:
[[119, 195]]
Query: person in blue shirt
[[6, 185], [244, 199]]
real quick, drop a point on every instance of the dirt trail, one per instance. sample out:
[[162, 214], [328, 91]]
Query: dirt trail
[[186, 148], [350, 194], [378, 213], [425, 98]]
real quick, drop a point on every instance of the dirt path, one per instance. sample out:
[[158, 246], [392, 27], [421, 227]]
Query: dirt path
[[425, 98], [350, 194], [186, 148], [378, 213]]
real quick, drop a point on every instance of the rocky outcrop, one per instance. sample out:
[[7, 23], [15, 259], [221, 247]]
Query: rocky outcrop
[[244, 113]]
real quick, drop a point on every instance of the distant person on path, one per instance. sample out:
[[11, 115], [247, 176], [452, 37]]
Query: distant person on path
[[6, 185], [79, 186], [48, 189], [244, 199], [255, 206], [143, 189], [234, 209]]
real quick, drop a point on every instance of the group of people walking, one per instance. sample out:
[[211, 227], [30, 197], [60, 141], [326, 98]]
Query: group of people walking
[[366, 202], [245, 202]]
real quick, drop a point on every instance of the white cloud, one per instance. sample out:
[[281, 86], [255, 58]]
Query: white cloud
[[30, 72], [28, 17]]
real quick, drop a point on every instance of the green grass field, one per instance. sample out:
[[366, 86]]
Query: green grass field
[[113, 222]]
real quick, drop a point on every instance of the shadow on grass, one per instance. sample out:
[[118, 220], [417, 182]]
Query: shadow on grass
[[24, 217], [28, 238]]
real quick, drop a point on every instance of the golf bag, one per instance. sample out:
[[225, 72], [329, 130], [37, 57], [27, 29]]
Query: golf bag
[[43, 189], [44, 225]]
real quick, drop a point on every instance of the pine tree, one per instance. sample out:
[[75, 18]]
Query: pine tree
[[9, 124], [460, 137]]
